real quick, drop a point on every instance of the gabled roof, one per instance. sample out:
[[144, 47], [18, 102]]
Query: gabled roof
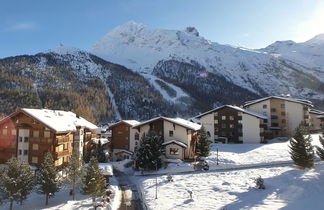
[[57, 120], [255, 114], [178, 121], [181, 144], [295, 100], [129, 122]]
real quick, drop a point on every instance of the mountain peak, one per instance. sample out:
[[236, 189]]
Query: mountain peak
[[318, 39], [64, 50]]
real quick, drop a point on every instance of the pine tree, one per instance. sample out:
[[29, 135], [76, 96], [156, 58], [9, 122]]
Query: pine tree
[[17, 181], [94, 183], [101, 156], [301, 150], [203, 143], [74, 171], [149, 152], [319, 150], [47, 178]]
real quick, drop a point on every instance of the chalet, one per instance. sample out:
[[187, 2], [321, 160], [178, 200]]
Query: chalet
[[284, 114], [315, 122], [29, 133], [179, 135], [232, 124], [124, 139]]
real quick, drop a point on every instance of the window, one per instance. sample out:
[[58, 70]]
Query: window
[[223, 125], [35, 147], [283, 121], [274, 117], [264, 106], [19, 152], [283, 113], [216, 114], [20, 139], [231, 117], [126, 128], [25, 152], [126, 138], [240, 121], [34, 159], [5, 131], [273, 109], [47, 134], [231, 125], [136, 136], [223, 117], [216, 121], [174, 151], [170, 133], [13, 132], [36, 134], [26, 139], [282, 105]]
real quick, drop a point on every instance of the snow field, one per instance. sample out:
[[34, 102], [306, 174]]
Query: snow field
[[286, 187]]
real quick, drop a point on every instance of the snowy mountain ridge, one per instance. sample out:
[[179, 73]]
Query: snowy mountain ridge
[[141, 48]]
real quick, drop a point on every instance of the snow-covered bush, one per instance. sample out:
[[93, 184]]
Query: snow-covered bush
[[259, 183]]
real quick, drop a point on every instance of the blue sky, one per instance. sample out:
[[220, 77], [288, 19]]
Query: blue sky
[[29, 27]]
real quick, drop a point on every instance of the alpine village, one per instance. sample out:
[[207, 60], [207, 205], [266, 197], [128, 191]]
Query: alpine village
[[159, 119]]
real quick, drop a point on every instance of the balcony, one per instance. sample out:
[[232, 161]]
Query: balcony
[[60, 154], [62, 140]]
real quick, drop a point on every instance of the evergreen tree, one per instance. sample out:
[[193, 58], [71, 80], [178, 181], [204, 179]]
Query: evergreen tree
[[47, 178], [101, 156], [149, 152], [94, 183], [301, 150], [74, 171], [319, 150], [203, 143], [17, 181]]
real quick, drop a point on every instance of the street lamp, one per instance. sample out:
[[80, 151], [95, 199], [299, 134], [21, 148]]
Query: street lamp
[[156, 180]]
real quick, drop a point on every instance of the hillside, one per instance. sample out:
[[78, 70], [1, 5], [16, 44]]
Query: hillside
[[69, 79]]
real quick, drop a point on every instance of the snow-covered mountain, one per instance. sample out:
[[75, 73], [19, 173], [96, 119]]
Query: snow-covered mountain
[[309, 53], [142, 49]]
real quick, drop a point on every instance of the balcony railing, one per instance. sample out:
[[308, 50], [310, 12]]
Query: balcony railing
[[62, 140]]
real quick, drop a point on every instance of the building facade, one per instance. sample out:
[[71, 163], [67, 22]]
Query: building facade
[[315, 122], [284, 114], [232, 124], [179, 136], [30, 133], [124, 139]]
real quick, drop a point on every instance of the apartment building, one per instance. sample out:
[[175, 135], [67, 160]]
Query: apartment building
[[179, 135], [232, 124], [284, 114], [29, 133], [315, 122]]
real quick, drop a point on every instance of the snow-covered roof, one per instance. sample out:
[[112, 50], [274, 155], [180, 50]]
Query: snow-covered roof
[[178, 121], [58, 120], [129, 122], [295, 100], [125, 151], [106, 168], [255, 114], [102, 140], [315, 111], [175, 142]]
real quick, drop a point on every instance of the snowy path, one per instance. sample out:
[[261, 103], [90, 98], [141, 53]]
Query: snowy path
[[131, 199]]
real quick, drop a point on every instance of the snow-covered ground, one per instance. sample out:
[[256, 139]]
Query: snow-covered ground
[[286, 188], [239, 156], [63, 200]]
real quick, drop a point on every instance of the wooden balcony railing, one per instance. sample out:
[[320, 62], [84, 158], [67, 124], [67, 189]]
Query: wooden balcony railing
[[62, 140], [60, 154]]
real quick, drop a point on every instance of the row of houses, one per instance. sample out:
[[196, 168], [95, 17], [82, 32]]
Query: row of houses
[[254, 122], [29, 133]]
